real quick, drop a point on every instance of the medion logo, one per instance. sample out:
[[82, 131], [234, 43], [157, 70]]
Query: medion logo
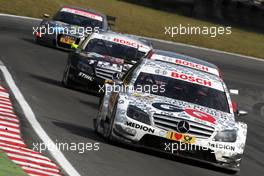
[[222, 146], [141, 127]]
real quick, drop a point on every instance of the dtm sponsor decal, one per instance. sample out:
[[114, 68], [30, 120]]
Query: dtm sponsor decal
[[197, 66], [185, 63], [222, 146], [127, 42], [82, 13], [192, 65], [192, 79], [167, 107], [141, 127], [83, 75], [185, 138]]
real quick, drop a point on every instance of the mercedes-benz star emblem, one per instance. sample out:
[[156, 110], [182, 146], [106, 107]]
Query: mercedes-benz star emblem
[[183, 127]]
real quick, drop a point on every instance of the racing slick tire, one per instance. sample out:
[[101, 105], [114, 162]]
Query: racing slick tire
[[66, 82], [108, 126], [97, 123]]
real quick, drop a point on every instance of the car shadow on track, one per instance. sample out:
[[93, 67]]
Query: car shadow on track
[[175, 158], [89, 133], [46, 80], [79, 130], [59, 84], [32, 41], [90, 104], [29, 40]]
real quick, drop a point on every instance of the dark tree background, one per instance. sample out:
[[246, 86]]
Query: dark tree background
[[243, 13]]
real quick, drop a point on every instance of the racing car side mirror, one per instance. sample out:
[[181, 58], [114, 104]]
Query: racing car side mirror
[[241, 113], [238, 112], [45, 15], [234, 91]]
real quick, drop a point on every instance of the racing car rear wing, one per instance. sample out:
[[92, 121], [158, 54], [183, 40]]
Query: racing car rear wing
[[186, 63]]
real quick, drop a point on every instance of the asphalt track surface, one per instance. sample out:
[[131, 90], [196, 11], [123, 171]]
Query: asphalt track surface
[[66, 115]]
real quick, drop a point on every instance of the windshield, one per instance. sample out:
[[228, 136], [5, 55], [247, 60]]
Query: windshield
[[112, 49], [74, 19], [185, 91]]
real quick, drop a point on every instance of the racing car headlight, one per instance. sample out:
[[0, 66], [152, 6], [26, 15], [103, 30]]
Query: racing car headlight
[[226, 136], [84, 67], [138, 114], [91, 62]]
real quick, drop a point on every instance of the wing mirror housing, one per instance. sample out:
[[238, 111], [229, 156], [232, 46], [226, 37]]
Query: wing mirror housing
[[238, 112], [241, 113], [234, 91], [45, 15]]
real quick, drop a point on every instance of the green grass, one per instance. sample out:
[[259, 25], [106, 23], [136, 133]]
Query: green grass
[[7, 167], [135, 19]]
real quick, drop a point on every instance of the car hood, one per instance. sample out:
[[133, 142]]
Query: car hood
[[180, 109]]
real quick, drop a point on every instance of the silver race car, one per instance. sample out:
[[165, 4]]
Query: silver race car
[[179, 108], [69, 25]]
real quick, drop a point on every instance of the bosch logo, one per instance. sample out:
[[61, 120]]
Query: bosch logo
[[183, 127], [127, 42]]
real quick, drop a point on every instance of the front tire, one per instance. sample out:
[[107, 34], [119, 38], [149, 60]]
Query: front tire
[[97, 121], [108, 126], [65, 79]]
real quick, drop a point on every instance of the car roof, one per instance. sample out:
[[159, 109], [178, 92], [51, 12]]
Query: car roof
[[182, 72], [193, 62]]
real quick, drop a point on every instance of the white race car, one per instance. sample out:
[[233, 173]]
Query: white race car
[[176, 108]]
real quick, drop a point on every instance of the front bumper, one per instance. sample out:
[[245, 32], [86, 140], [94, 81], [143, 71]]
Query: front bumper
[[66, 46], [85, 80], [205, 150], [54, 40]]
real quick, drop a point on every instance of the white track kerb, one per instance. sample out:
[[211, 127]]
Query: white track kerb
[[30, 116]]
